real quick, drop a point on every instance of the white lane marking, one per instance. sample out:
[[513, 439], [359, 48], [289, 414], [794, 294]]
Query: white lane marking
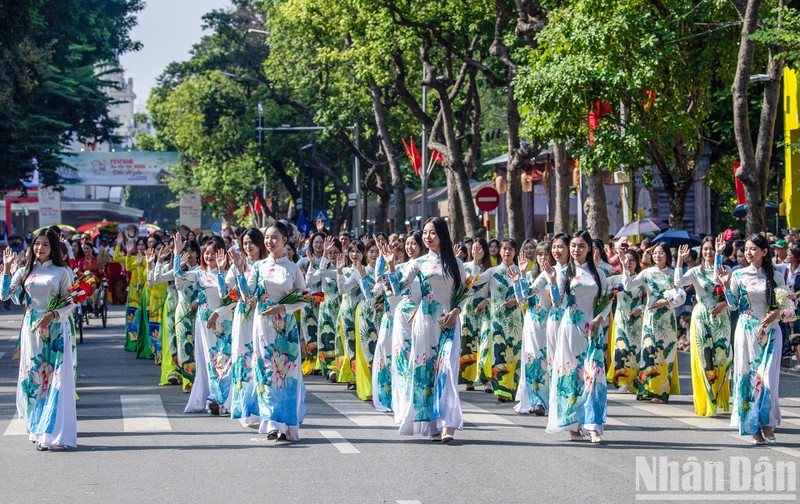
[[409, 502], [338, 441], [360, 413], [480, 417], [143, 413], [16, 428], [706, 423]]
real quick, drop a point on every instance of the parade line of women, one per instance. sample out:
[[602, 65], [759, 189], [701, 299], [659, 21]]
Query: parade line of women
[[405, 323]]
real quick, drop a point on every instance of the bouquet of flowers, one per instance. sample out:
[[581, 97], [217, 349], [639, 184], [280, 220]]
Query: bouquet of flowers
[[462, 292], [604, 301], [675, 296], [785, 304], [81, 289], [295, 296], [719, 293], [231, 298], [318, 297]]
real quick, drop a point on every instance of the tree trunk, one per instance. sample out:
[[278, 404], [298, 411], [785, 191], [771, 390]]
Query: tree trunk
[[517, 157], [563, 174], [595, 207], [398, 185], [455, 217], [754, 161]]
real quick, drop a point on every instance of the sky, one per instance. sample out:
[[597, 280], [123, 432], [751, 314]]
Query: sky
[[167, 30]]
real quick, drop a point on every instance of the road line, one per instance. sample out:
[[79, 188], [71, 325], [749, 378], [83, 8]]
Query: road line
[[484, 418], [359, 412], [338, 441], [16, 428], [705, 423], [143, 413], [409, 502]]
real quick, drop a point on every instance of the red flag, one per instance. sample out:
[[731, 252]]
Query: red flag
[[598, 110], [257, 205], [436, 156], [416, 161], [739, 186], [413, 155]]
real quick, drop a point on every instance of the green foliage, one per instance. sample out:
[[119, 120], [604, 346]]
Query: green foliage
[[652, 60], [54, 57], [782, 29]]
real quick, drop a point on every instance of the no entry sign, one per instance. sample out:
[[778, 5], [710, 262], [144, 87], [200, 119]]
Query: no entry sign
[[487, 199]]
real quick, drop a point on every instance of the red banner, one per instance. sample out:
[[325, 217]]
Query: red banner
[[739, 186]]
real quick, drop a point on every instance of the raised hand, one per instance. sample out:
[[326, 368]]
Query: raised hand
[[724, 276], [458, 251], [310, 255], [340, 264], [184, 259], [150, 256], [120, 239], [513, 275], [328, 245], [130, 245], [222, 260], [164, 253], [177, 244], [387, 254], [549, 270], [237, 260], [720, 244], [523, 263], [683, 253], [9, 261]]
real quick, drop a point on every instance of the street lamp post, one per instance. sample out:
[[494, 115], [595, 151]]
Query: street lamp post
[[424, 168]]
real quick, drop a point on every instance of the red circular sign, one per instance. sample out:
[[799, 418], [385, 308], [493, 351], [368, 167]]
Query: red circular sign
[[487, 199]]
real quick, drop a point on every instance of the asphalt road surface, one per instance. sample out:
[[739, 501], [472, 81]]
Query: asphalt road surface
[[137, 446]]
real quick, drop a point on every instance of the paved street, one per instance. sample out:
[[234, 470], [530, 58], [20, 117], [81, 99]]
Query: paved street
[[137, 446]]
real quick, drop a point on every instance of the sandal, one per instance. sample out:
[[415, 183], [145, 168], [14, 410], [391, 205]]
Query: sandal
[[576, 436], [594, 437], [759, 440], [470, 387], [272, 435]]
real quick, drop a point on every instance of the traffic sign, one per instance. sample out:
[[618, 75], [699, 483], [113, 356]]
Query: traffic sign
[[487, 199], [321, 215]]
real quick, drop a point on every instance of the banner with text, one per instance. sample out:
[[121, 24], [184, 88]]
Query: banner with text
[[118, 168], [49, 207], [191, 209]]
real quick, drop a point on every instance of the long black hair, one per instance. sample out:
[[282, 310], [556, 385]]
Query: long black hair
[[760, 241], [55, 254], [564, 238], [417, 236], [449, 261], [257, 237], [707, 239], [571, 268], [598, 244]]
